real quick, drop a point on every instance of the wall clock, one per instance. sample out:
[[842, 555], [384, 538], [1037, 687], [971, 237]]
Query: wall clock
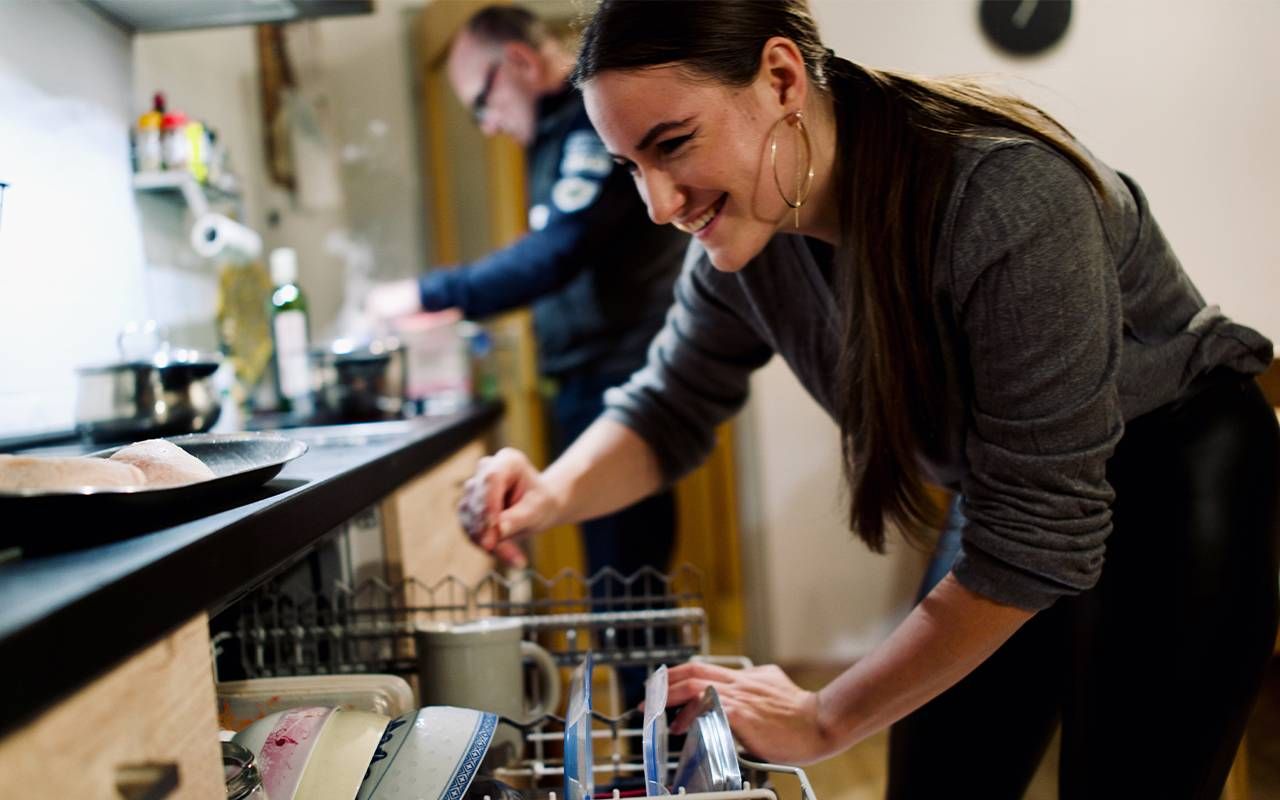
[[1024, 27]]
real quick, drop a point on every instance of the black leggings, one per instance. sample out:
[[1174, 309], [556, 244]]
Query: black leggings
[[1153, 672]]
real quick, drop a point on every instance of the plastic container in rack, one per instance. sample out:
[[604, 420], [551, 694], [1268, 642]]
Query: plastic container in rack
[[241, 703], [579, 771], [708, 762]]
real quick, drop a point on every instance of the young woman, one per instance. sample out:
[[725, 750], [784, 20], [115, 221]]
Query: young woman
[[981, 304]]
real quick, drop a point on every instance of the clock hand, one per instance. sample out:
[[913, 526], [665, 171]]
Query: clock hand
[[1024, 12]]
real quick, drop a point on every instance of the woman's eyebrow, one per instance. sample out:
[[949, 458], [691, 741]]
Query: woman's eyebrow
[[658, 130]]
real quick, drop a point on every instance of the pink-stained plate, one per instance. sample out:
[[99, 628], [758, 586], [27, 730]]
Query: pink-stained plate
[[282, 743]]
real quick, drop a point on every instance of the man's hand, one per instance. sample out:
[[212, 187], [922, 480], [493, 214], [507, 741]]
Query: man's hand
[[393, 299]]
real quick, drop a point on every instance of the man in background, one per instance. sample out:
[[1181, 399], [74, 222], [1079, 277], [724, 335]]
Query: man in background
[[596, 270]]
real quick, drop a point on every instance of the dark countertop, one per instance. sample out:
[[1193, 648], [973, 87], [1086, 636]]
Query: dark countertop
[[67, 618]]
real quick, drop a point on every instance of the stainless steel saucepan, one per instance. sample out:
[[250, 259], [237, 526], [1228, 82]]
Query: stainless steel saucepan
[[166, 393]]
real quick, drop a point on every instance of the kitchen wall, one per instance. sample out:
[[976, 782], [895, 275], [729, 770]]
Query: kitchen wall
[[1180, 95], [81, 254], [358, 212], [208, 83], [71, 258]]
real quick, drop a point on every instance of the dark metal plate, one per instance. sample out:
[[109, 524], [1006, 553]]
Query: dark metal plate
[[41, 521]]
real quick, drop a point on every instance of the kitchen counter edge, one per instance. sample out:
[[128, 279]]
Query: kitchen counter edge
[[54, 651]]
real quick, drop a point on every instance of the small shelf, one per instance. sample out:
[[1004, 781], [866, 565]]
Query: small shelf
[[197, 195]]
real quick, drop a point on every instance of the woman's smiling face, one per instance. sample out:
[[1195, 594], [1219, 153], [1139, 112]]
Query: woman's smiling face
[[699, 154]]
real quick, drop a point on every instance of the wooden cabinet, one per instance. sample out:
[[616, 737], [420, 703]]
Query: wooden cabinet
[[421, 536], [157, 710]]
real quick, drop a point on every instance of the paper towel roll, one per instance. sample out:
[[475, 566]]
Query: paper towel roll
[[214, 235]]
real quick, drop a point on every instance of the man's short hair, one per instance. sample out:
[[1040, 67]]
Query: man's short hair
[[498, 25]]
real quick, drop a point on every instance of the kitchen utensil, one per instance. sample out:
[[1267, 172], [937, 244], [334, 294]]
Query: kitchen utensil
[[430, 754], [44, 521], [709, 760], [340, 759], [282, 743], [244, 782], [355, 381], [240, 703], [481, 665], [154, 390]]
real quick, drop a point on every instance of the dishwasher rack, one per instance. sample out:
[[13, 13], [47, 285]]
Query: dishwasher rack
[[645, 619], [540, 771]]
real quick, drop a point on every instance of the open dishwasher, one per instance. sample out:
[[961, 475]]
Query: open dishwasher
[[635, 622]]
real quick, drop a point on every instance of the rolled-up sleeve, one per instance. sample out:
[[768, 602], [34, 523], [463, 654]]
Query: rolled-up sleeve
[[1038, 305], [697, 374]]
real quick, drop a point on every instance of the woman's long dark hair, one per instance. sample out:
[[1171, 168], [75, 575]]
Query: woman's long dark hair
[[896, 136]]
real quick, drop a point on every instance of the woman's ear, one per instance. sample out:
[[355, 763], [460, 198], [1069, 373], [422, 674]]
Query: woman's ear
[[782, 70]]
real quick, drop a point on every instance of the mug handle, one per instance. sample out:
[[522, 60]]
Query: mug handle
[[548, 679]]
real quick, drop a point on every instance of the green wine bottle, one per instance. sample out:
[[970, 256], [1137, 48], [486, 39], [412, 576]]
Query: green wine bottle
[[289, 331]]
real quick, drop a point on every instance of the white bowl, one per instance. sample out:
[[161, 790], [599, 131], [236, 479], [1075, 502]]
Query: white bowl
[[430, 754], [282, 743], [341, 758]]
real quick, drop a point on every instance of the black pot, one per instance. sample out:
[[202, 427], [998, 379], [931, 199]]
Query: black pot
[[355, 382]]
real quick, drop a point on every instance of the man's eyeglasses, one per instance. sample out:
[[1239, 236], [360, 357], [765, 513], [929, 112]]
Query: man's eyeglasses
[[481, 103]]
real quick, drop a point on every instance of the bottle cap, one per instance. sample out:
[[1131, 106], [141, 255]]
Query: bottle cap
[[284, 266]]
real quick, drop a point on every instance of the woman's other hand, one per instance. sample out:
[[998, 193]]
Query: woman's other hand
[[772, 717], [505, 500]]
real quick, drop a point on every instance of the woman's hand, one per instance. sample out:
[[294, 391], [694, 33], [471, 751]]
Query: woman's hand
[[506, 499], [772, 717]]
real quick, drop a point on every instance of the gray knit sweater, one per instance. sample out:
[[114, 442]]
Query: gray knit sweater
[[1062, 317]]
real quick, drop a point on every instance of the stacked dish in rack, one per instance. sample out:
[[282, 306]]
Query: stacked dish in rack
[[327, 753], [353, 737]]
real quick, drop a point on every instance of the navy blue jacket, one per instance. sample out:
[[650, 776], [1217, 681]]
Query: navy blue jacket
[[598, 272]]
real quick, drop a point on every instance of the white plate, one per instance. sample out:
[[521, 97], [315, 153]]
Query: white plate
[[430, 754]]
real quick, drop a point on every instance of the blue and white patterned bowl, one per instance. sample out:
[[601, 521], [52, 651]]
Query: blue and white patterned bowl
[[429, 754]]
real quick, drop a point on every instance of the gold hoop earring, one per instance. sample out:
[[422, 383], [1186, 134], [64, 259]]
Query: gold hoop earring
[[804, 178]]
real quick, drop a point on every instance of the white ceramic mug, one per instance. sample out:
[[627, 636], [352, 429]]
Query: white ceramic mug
[[481, 665]]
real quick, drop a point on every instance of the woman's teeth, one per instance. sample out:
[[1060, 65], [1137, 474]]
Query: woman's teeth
[[702, 220]]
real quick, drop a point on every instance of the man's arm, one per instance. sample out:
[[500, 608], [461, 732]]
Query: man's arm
[[570, 229], [539, 263]]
